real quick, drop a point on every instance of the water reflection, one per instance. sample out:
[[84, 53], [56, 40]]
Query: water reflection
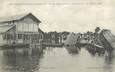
[[55, 59], [73, 50], [109, 58], [21, 60], [109, 62]]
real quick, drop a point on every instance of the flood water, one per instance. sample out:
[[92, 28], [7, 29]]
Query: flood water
[[54, 60]]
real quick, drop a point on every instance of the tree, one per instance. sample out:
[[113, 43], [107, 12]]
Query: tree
[[97, 29]]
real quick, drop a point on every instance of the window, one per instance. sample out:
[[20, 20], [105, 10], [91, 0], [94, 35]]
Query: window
[[19, 36], [5, 36], [26, 37]]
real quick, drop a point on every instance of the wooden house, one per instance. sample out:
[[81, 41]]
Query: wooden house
[[20, 29]]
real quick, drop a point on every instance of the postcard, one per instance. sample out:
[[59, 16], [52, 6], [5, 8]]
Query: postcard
[[57, 36]]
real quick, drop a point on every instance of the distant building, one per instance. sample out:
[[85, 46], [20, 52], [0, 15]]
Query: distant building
[[72, 39], [108, 39], [20, 29]]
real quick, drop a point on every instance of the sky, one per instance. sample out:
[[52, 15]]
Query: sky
[[67, 15]]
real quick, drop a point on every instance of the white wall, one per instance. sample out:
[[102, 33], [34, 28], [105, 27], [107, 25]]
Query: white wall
[[27, 25]]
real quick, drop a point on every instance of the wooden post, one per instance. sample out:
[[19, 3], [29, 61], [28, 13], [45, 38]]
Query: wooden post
[[6, 37]]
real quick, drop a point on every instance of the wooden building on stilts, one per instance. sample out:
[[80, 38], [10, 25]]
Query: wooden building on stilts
[[20, 30]]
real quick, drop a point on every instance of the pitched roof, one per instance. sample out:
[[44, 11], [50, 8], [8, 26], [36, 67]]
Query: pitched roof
[[18, 17], [5, 28], [40, 31]]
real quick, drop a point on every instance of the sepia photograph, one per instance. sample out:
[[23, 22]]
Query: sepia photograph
[[57, 36]]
